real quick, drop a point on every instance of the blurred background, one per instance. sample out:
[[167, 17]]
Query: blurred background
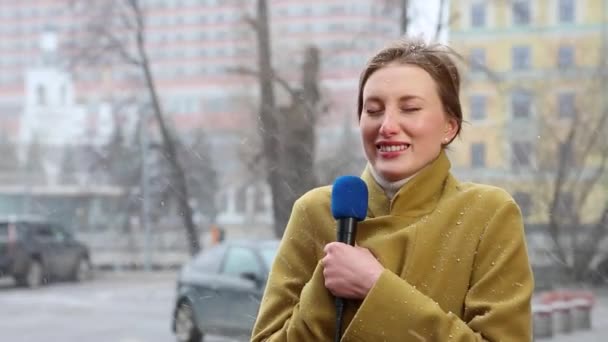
[[148, 131]]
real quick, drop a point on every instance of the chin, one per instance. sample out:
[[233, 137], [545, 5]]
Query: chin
[[394, 175]]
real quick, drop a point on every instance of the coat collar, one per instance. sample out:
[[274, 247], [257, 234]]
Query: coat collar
[[417, 197]]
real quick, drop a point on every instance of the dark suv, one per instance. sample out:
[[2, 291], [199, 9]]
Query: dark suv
[[34, 251]]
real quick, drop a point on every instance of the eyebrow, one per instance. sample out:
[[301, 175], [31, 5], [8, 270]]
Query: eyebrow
[[410, 97], [402, 98]]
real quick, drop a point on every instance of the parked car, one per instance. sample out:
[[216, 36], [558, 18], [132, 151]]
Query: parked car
[[219, 290], [35, 251]]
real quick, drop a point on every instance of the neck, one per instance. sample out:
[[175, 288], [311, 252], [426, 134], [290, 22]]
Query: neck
[[390, 187]]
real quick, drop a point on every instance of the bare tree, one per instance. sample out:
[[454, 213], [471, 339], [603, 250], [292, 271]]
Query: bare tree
[[9, 164], [343, 159], [402, 6], [405, 16], [573, 161], [69, 166], [116, 31], [203, 183], [117, 162], [567, 158], [287, 133], [34, 162]]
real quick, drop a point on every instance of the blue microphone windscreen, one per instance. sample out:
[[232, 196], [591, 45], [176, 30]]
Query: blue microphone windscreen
[[349, 198]]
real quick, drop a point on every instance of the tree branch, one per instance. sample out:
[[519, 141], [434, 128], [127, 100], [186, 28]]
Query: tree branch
[[253, 22], [295, 95], [493, 76], [439, 26], [588, 186], [251, 72]]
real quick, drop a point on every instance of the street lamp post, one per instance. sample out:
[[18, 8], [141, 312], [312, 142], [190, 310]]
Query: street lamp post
[[145, 206]]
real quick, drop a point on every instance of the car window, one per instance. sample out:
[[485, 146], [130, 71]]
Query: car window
[[42, 231], [60, 234], [241, 260], [209, 260], [268, 255]]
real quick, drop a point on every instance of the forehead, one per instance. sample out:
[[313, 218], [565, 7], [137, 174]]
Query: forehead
[[400, 80]]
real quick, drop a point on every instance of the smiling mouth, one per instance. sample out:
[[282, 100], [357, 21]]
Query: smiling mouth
[[392, 148]]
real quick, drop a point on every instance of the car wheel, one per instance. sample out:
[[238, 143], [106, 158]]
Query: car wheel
[[83, 270], [185, 324], [34, 277]]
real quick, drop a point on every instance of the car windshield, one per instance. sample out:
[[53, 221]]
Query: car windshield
[[268, 255]]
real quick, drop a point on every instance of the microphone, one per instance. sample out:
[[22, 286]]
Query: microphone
[[348, 206]]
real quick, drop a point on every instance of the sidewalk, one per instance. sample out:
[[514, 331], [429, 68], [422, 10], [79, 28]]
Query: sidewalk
[[599, 323]]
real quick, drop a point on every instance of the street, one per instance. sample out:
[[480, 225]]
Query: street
[[113, 307], [135, 307]]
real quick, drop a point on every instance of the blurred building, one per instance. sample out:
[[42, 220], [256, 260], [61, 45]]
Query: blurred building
[[533, 97], [194, 47], [51, 117], [531, 67]]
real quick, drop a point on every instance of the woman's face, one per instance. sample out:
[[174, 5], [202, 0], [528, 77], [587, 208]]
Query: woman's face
[[403, 124]]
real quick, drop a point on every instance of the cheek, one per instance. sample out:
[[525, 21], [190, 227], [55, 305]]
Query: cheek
[[429, 130], [368, 131]]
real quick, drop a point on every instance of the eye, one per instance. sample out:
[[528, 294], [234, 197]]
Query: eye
[[410, 109], [373, 111]]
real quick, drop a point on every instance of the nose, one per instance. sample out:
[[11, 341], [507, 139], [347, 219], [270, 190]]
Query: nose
[[390, 125]]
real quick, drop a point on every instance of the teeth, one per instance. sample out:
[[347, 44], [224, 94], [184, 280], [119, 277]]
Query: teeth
[[392, 148]]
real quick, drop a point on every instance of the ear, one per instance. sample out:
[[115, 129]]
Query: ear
[[451, 128]]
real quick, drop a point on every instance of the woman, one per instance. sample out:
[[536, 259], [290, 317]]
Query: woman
[[436, 259]]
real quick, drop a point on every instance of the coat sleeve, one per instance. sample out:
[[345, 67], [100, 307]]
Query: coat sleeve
[[295, 288], [497, 305]]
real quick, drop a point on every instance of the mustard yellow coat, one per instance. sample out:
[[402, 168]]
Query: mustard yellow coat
[[456, 267]]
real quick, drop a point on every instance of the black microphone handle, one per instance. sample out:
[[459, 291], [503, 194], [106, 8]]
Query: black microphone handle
[[347, 230], [346, 233]]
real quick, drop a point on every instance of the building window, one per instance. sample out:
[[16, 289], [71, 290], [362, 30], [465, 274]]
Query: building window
[[566, 105], [565, 56], [41, 95], [223, 200], [63, 95], [520, 158], [520, 57], [336, 9], [521, 12], [521, 103], [478, 155], [478, 15], [478, 107], [566, 11], [241, 200], [336, 27], [566, 155], [524, 201], [260, 199], [477, 59]]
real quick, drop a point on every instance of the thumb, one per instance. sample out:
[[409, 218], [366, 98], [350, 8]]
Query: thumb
[[367, 250], [361, 248]]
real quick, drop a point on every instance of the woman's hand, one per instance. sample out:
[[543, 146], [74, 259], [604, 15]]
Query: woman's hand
[[350, 272]]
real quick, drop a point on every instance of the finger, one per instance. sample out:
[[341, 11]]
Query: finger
[[331, 247], [367, 250], [323, 261]]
